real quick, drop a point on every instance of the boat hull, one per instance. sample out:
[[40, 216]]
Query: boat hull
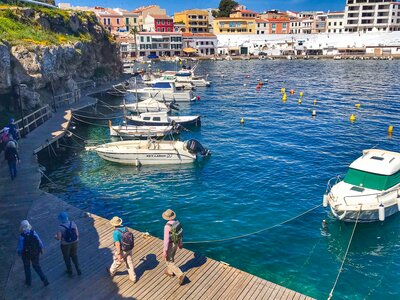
[[166, 96], [149, 158], [133, 132], [191, 123], [365, 215]]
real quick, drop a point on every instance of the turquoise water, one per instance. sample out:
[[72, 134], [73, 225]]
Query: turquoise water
[[264, 172]]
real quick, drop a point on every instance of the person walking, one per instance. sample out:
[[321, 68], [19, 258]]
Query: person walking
[[12, 157], [124, 242], [173, 234], [29, 248], [68, 235], [13, 129]]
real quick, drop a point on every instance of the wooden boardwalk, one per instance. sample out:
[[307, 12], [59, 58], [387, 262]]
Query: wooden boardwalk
[[21, 198]]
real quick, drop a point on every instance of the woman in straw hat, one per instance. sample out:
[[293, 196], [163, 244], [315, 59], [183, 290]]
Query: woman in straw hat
[[120, 255], [29, 248], [170, 247]]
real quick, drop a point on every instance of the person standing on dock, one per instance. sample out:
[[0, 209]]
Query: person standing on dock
[[173, 234], [12, 157], [124, 242], [68, 235], [13, 129], [29, 248]]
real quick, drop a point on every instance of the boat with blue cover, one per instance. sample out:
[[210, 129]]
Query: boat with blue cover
[[163, 119]]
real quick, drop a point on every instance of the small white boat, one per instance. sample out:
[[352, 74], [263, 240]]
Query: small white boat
[[189, 77], [370, 191], [135, 132], [151, 152], [148, 105], [162, 118], [164, 91]]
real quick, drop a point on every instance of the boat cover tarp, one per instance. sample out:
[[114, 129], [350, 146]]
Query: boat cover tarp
[[371, 180]]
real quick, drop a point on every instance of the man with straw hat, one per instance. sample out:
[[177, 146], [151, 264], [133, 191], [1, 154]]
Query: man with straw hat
[[172, 240], [120, 254]]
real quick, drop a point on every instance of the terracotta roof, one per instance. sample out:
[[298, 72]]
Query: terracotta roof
[[204, 34], [235, 18], [261, 20], [278, 20], [142, 8], [246, 11]]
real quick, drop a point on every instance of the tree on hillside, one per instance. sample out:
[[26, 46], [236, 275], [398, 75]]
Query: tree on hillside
[[135, 31], [226, 7]]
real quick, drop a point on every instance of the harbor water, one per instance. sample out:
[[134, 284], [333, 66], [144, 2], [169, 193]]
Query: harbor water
[[272, 168]]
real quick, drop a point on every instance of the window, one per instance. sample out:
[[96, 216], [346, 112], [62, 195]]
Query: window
[[157, 119], [105, 21], [168, 22], [334, 23], [158, 29], [134, 20], [329, 23], [158, 22], [148, 39], [127, 21], [108, 21], [142, 39], [163, 22], [284, 25], [273, 25], [117, 21], [169, 29], [163, 29], [146, 118]]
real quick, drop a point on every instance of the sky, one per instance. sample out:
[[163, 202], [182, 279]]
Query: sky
[[178, 5]]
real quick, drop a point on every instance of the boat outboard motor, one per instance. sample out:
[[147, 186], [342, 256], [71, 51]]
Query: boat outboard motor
[[174, 105], [194, 146]]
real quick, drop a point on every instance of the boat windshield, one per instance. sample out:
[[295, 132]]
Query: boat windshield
[[371, 180]]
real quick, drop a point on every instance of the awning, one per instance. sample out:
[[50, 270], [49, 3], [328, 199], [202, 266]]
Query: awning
[[189, 50]]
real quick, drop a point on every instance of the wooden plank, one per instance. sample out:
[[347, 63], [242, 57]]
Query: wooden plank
[[236, 290], [220, 284], [248, 287]]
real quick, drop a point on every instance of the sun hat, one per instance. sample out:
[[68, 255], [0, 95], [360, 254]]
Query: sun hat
[[115, 221], [63, 216], [24, 226], [168, 215]]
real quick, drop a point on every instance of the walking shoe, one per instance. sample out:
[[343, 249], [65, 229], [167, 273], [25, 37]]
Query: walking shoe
[[181, 279], [46, 282], [168, 274], [133, 280]]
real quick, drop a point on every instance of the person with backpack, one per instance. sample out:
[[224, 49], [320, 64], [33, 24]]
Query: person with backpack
[[173, 234], [12, 157], [29, 248], [124, 243], [68, 235]]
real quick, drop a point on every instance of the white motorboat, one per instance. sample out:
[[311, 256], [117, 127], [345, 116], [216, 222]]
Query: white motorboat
[[170, 76], [370, 191], [151, 152], [189, 77], [164, 91], [148, 105], [135, 132], [162, 118]]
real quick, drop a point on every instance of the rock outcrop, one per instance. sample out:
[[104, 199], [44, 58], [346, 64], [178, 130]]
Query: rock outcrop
[[92, 55]]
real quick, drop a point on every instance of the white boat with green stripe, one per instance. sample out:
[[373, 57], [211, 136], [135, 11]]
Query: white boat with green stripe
[[370, 191]]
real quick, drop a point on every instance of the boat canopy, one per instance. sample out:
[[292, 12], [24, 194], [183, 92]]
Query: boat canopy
[[371, 180]]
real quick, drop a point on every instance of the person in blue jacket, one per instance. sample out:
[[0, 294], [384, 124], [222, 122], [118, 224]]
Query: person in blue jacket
[[30, 247]]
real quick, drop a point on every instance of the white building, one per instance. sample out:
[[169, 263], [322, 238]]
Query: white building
[[262, 26], [372, 15], [205, 43], [335, 22], [159, 43]]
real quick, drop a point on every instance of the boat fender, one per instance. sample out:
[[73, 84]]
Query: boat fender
[[242, 120], [314, 113], [292, 92], [398, 203], [258, 87], [325, 200], [137, 163], [381, 211], [198, 98], [299, 101], [390, 129]]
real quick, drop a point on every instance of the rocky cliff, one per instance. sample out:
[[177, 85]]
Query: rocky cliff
[[42, 46]]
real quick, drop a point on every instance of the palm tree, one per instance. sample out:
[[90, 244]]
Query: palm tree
[[134, 31]]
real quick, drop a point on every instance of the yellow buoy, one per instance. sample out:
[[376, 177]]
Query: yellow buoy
[[283, 90], [260, 83], [299, 101], [352, 118], [315, 101], [284, 96], [390, 129], [301, 94], [242, 120], [357, 105]]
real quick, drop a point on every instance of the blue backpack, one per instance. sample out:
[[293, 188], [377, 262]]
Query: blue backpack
[[70, 233], [31, 244]]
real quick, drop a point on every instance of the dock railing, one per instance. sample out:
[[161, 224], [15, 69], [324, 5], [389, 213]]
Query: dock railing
[[67, 98]]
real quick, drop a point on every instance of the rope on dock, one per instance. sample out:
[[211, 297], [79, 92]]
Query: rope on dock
[[252, 233], [345, 256]]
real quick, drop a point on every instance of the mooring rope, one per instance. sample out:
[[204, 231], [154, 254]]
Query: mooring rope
[[85, 140], [252, 233], [89, 123], [51, 181], [345, 256]]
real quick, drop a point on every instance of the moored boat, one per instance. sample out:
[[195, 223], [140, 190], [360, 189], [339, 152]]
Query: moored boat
[[135, 132], [162, 118], [148, 105], [164, 91], [151, 152], [370, 191]]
